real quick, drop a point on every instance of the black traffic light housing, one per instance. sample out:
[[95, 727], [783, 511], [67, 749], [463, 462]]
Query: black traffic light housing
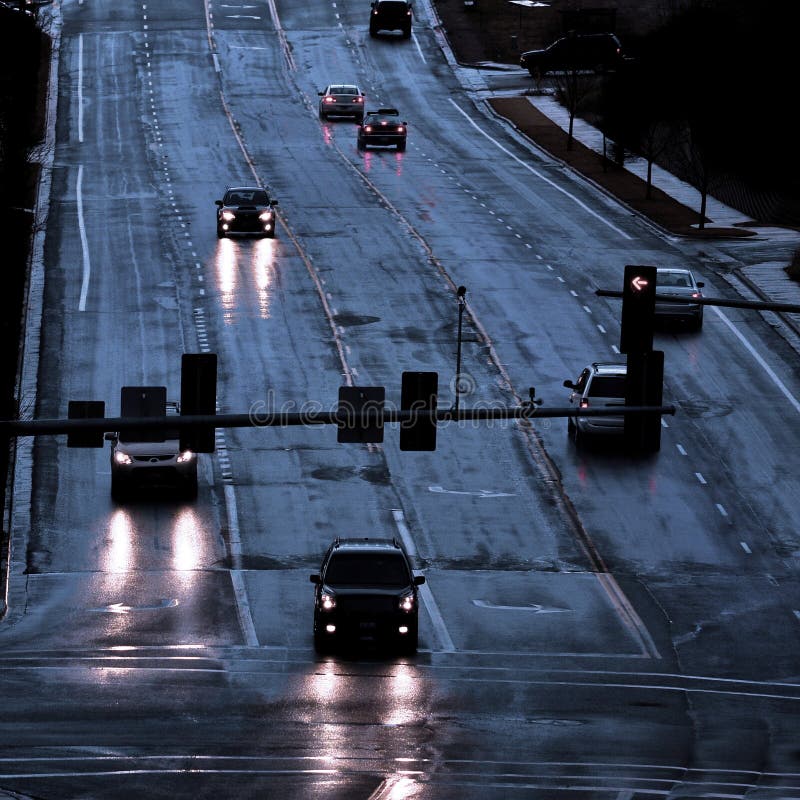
[[638, 309], [198, 398], [418, 393]]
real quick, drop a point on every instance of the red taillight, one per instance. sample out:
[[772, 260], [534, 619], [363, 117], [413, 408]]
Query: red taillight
[[399, 128], [696, 294], [330, 99], [368, 128], [584, 404], [359, 99]]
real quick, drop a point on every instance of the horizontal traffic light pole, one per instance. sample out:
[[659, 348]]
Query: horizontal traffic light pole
[[712, 301], [351, 419]]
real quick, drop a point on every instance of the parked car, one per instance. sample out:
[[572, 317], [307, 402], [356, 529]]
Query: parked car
[[366, 592], [390, 16], [600, 385], [383, 127], [341, 100], [598, 52], [678, 282], [158, 464], [246, 209]]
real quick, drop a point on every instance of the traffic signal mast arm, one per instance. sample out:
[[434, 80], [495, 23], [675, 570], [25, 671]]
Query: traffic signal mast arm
[[49, 427], [713, 301]]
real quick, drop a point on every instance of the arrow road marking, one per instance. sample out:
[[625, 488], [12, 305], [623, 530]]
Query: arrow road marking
[[534, 607], [121, 608], [479, 493]]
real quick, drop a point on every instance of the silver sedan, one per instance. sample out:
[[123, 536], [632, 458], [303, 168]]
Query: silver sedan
[[679, 283]]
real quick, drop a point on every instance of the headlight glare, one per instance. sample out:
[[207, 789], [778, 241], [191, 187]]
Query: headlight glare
[[327, 601], [228, 216], [185, 456], [407, 602], [122, 458]]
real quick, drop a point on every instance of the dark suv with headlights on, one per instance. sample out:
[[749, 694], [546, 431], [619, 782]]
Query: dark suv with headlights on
[[366, 592], [160, 464], [246, 209]]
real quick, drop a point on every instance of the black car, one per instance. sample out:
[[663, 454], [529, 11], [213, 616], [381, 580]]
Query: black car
[[390, 15], [383, 127], [246, 209], [366, 592], [598, 52]]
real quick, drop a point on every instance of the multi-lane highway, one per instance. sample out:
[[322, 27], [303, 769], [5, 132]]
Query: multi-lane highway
[[592, 624]]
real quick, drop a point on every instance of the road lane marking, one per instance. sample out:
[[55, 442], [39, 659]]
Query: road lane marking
[[763, 364], [700, 478], [428, 600], [745, 547], [538, 174], [80, 88], [87, 266], [237, 579]]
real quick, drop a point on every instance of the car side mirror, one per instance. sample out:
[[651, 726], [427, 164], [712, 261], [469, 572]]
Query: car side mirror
[[320, 93], [569, 384], [273, 202], [419, 580], [218, 203], [700, 284], [314, 578]]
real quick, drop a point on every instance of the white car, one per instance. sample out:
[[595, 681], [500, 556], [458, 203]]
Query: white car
[[600, 385], [341, 100]]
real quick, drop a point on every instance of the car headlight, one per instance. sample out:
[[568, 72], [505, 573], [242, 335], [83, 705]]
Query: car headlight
[[228, 216], [122, 458], [185, 456], [327, 601], [408, 602], [265, 216]]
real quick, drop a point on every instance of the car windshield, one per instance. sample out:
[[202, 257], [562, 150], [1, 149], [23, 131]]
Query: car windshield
[[673, 279], [367, 569], [344, 90], [256, 197], [607, 386]]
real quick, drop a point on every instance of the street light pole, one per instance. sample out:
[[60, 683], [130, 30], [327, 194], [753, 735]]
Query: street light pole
[[462, 290]]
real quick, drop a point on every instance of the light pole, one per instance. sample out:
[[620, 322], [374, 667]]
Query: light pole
[[460, 292]]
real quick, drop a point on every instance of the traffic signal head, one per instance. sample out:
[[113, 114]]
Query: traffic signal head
[[418, 393], [638, 309], [198, 398]]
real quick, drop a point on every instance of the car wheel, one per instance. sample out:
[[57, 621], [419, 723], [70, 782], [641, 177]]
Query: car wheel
[[220, 233], [698, 326], [190, 490], [407, 32], [117, 488], [409, 644], [373, 32], [401, 147], [579, 438], [323, 115], [361, 145], [570, 427]]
